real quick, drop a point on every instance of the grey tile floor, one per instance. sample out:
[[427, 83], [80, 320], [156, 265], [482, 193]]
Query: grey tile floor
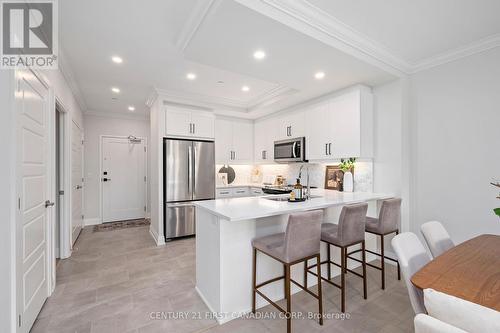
[[117, 279]]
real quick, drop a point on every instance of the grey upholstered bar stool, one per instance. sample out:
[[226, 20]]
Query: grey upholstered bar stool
[[348, 232], [300, 242], [387, 223]]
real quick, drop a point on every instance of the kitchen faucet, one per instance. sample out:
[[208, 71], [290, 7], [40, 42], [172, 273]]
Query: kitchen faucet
[[308, 193]]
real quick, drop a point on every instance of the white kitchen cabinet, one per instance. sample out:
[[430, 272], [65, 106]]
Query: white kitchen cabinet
[[223, 193], [318, 133], [181, 122], [341, 127], [178, 122], [223, 140], [264, 135], [242, 142], [233, 141], [290, 125], [203, 124], [241, 192]]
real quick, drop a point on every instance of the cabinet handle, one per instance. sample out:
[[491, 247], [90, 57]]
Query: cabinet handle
[[234, 155], [262, 155], [326, 148], [225, 192], [194, 128], [190, 128], [329, 148]]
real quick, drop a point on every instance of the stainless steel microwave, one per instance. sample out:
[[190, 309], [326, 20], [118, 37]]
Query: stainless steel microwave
[[290, 150]]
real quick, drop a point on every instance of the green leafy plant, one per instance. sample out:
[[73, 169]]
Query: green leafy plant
[[347, 164], [496, 210]]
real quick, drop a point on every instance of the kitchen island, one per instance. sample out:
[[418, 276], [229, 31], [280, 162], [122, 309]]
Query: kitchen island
[[224, 231]]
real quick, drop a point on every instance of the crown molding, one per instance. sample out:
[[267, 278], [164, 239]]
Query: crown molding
[[194, 22], [479, 46], [116, 115], [153, 96], [315, 22], [190, 98], [69, 76], [269, 97]]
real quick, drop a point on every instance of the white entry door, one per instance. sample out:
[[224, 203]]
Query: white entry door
[[76, 181], [34, 206], [123, 179]]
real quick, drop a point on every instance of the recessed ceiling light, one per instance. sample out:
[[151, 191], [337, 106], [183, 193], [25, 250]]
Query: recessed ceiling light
[[115, 90], [259, 54], [191, 76], [319, 75], [131, 108], [245, 88], [117, 59]]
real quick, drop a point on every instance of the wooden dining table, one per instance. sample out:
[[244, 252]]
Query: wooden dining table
[[470, 270]]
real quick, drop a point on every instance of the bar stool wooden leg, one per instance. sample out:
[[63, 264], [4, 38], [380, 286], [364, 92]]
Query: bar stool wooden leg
[[397, 262], [382, 259], [254, 278], [342, 277], [305, 274], [345, 260], [288, 299], [363, 247], [320, 293], [329, 269]]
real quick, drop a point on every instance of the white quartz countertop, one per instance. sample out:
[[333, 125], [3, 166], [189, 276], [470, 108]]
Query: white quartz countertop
[[237, 209]]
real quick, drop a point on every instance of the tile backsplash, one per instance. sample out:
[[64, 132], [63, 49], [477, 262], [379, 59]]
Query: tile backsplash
[[245, 174]]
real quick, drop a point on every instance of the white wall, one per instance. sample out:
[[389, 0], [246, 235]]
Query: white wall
[[95, 126], [387, 161], [157, 129], [456, 145]]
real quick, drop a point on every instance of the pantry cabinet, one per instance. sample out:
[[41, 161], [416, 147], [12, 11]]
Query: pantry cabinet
[[187, 123], [233, 141]]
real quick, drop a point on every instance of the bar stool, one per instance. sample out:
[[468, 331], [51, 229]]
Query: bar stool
[[299, 243], [348, 232], [387, 223]]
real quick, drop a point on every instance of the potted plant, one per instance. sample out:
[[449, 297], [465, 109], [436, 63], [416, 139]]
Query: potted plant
[[496, 210], [347, 166]]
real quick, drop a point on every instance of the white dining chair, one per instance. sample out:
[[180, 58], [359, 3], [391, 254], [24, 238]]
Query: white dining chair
[[437, 238], [427, 324], [412, 257]]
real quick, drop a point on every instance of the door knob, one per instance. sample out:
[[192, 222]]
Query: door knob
[[49, 204], [106, 179], [78, 187]]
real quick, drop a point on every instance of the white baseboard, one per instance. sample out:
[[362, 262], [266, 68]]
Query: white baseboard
[[158, 240], [93, 221]]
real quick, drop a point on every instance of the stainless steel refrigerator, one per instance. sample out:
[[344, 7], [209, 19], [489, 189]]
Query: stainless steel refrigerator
[[189, 176]]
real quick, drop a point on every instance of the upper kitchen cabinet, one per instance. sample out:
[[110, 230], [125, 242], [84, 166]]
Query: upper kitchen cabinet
[[189, 123], [341, 126], [233, 141], [290, 125], [264, 136]]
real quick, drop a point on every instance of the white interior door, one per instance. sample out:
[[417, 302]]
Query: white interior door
[[76, 181], [123, 179], [33, 178]]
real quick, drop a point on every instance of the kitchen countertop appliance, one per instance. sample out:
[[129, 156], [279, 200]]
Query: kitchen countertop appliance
[[188, 176]]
